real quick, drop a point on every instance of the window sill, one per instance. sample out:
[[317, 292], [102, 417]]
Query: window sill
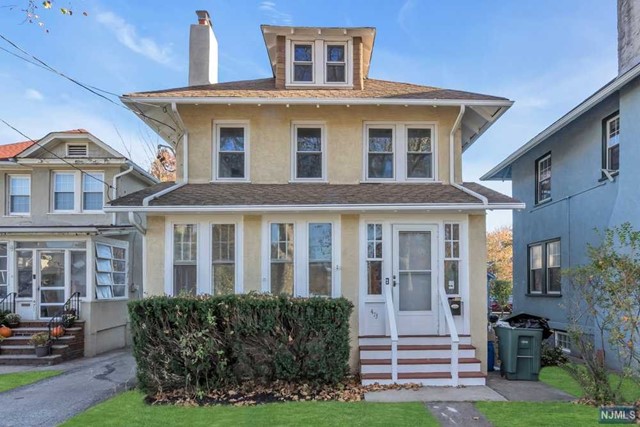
[[77, 213], [543, 295], [614, 175], [308, 181], [17, 216], [230, 181], [544, 202]]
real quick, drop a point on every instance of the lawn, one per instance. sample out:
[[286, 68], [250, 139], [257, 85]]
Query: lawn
[[18, 379], [539, 414], [130, 410], [560, 379]]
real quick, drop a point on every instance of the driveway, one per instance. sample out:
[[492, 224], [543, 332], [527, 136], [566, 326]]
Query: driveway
[[84, 383]]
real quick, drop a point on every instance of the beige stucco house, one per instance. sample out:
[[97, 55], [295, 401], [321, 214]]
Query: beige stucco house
[[57, 242], [319, 181]]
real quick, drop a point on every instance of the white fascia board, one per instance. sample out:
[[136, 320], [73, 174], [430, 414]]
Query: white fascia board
[[85, 161], [315, 208], [563, 121], [317, 101]]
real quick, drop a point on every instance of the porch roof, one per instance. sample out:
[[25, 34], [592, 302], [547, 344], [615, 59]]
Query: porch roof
[[321, 195]]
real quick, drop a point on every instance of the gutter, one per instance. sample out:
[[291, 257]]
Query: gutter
[[452, 165], [148, 199]]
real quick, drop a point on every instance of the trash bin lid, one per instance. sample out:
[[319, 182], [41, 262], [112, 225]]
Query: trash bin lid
[[528, 320]]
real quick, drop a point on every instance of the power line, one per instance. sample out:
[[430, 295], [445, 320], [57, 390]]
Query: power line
[[109, 186], [94, 90]]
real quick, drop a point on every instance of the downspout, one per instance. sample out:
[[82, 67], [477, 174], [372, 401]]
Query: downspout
[[185, 143], [114, 188], [452, 158], [138, 226]]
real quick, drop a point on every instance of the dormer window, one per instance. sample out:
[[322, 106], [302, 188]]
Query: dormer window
[[319, 63], [303, 63]]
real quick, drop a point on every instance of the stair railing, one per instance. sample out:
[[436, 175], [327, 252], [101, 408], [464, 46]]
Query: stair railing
[[393, 329], [455, 339], [70, 307], [8, 303]]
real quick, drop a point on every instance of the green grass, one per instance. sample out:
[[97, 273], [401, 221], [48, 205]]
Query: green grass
[[129, 409], [18, 379], [560, 379], [539, 414]]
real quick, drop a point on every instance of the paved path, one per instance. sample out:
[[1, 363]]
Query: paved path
[[436, 394], [462, 414], [526, 391], [84, 383]]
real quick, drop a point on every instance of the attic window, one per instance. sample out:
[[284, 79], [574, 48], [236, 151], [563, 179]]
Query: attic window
[[77, 150], [303, 62], [319, 63], [336, 63]]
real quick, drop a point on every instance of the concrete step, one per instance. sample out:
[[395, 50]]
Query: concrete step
[[30, 359], [415, 351], [371, 366], [425, 378], [412, 340]]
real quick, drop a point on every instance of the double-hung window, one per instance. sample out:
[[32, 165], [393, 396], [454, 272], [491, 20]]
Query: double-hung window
[[374, 259], [64, 191], [336, 63], [303, 63], [92, 191], [320, 271], [111, 271], [185, 258], [309, 147], [78, 191], [543, 178], [612, 140], [452, 258], [380, 152], [419, 152], [223, 258], [19, 194], [282, 258], [231, 147], [544, 268]]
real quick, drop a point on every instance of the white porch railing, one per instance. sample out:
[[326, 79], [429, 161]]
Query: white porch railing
[[455, 339], [393, 331]]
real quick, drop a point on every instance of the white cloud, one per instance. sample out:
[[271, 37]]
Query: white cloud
[[403, 14], [128, 36], [33, 95], [276, 16]]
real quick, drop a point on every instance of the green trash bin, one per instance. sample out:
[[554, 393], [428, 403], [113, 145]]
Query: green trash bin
[[519, 352]]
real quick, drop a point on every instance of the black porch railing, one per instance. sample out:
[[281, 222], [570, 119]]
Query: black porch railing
[[67, 315], [8, 303]]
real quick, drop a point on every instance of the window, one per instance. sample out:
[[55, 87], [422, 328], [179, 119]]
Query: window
[[452, 259], [232, 149], [223, 258], [563, 340], [612, 138], [92, 191], [24, 269], [303, 62], [320, 259], [19, 194], [543, 178], [3, 270], [64, 191], [282, 259], [374, 259], [77, 150], [419, 153], [380, 157], [308, 146], [111, 271], [79, 272], [336, 63], [185, 255], [544, 268]]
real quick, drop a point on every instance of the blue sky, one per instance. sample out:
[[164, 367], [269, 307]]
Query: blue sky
[[545, 55]]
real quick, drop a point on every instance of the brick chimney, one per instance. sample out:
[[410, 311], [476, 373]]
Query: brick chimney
[[203, 52], [628, 35]]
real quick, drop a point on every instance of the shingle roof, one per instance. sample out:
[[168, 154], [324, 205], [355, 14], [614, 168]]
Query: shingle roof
[[265, 88], [9, 151], [242, 194]]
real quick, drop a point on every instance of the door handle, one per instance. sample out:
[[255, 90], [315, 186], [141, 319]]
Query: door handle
[[395, 282]]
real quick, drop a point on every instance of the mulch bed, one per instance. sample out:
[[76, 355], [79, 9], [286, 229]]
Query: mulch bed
[[253, 394]]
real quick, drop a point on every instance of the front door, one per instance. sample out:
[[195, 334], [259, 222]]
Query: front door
[[415, 279], [50, 282]]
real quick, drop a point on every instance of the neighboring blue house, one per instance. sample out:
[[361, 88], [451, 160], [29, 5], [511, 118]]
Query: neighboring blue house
[[579, 174]]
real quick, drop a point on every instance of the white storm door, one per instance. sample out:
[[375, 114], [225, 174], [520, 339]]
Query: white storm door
[[415, 279], [51, 283]]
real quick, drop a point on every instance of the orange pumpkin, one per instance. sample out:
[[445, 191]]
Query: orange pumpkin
[[5, 332], [57, 332]]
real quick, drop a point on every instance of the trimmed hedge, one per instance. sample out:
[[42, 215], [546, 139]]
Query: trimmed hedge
[[198, 344]]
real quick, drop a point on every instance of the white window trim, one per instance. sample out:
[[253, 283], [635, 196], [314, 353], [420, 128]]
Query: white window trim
[[538, 170], [203, 257], [459, 258], [557, 335], [92, 286], [294, 149], [301, 252], [10, 176], [78, 192], [217, 124], [327, 62], [86, 145], [313, 62], [546, 264], [531, 269], [607, 148], [400, 149], [319, 63]]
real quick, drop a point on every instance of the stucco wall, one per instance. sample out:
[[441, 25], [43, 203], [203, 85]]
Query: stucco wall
[[478, 286], [106, 327], [350, 279], [270, 137], [154, 244]]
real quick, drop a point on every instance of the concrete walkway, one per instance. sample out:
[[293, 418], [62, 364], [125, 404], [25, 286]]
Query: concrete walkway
[[436, 394], [526, 391], [84, 383]]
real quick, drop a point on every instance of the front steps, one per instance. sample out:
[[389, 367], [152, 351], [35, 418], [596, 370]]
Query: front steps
[[16, 349], [422, 359]]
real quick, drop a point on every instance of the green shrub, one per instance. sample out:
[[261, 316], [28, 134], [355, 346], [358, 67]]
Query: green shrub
[[201, 343], [552, 355]]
